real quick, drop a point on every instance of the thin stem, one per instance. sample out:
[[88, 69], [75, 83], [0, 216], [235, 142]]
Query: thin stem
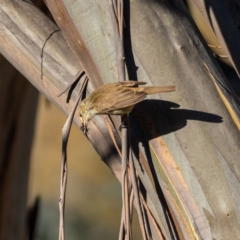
[[63, 186], [136, 194]]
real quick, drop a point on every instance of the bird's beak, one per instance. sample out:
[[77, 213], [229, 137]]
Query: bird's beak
[[84, 127]]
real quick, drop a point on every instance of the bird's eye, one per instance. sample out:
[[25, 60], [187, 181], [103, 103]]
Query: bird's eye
[[80, 115]]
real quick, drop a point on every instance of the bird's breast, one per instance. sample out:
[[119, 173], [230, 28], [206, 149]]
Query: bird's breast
[[121, 111]]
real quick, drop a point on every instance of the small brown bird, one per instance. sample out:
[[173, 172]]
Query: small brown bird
[[116, 99]]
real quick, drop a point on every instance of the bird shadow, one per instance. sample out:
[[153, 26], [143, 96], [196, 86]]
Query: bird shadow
[[153, 118], [163, 117]]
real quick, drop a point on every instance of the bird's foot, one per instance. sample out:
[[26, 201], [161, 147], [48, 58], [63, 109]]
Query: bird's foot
[[124, 122], [84, 129]]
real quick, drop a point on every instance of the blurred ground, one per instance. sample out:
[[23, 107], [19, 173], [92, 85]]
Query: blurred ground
[[93, 203]]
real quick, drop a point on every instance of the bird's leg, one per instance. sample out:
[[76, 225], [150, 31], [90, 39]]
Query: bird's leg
[[124, 122]]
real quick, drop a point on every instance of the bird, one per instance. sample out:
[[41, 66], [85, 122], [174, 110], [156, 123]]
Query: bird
[[117, 98]]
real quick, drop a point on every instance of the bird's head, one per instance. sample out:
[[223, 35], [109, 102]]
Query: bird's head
[[86, 113]]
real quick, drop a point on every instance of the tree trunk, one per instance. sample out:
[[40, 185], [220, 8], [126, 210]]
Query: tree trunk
[[187, 145], [18, 104]]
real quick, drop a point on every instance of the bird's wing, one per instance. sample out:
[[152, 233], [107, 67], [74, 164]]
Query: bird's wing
[[131, 83], [120, 97]]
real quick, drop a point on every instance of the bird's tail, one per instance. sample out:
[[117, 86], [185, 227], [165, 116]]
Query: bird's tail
[[155, 90]]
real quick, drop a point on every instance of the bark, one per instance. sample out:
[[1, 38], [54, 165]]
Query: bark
[[187, 145], [18, 104]]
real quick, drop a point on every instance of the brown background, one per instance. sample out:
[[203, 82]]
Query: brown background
[[93, 203]]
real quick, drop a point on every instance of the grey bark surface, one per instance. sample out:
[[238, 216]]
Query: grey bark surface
[[189, 139]]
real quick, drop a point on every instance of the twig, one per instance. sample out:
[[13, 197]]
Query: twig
[[76, 79], [121, 232], [117, 20], [111, 135], [65, 135], [142, 222], [125, 194], [116, 11], [152, 218], [58, 30]]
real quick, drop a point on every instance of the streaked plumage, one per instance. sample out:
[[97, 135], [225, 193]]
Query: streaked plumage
[[117, 99]]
